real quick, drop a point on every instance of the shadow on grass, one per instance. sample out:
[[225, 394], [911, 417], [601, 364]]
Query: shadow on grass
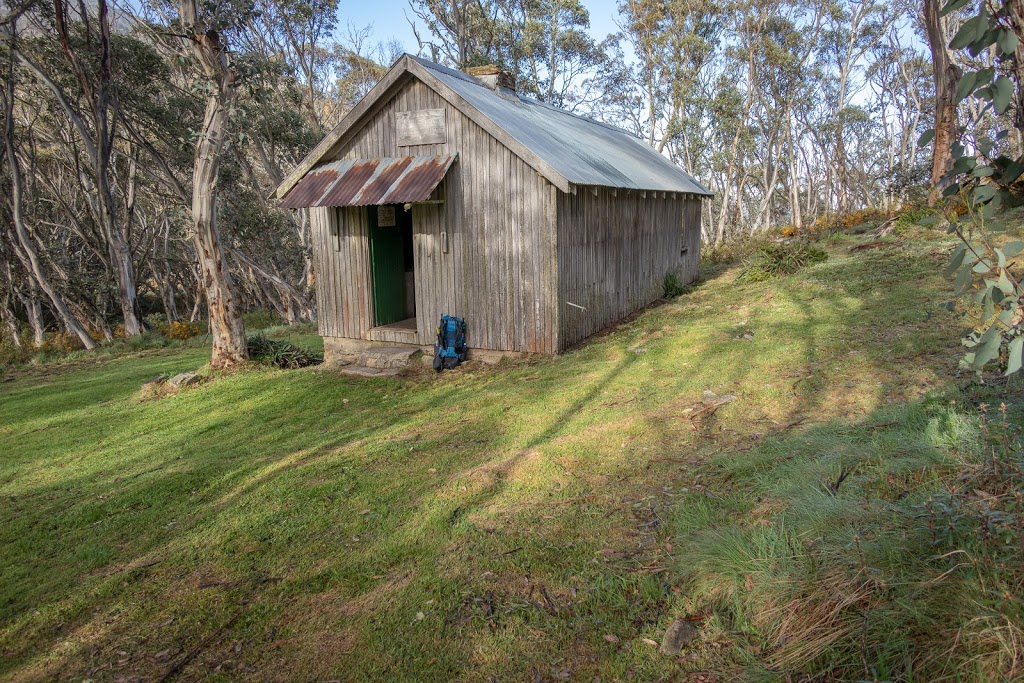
[[278, 489]]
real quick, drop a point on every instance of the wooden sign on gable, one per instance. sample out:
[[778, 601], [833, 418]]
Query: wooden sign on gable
[[421, 127]]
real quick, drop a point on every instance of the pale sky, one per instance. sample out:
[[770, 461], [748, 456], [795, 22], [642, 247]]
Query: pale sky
[[388, 19]]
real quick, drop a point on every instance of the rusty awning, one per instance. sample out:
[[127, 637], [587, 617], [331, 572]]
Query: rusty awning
[[361, 182]]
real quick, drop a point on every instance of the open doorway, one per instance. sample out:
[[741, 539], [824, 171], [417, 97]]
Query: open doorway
[[393, 267]]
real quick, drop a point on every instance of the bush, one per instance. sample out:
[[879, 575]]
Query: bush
[[261, 320], [61, 342], [776, 260], [280, 354], [673, 286], [179, 330]]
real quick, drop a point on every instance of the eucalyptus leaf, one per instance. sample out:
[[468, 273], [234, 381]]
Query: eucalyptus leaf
[[988, 347], [1013, 248], [983, 194], [966, 85], [965, 36], [1015, 352], [952, 6], [1008, 42], [1003, 94], [962, 281], [1005, 286], [956, 260]]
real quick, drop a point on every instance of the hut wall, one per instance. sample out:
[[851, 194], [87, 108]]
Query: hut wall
[[614, 250], [486, 254]]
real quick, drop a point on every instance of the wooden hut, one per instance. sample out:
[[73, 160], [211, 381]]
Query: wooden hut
[[444, 192]]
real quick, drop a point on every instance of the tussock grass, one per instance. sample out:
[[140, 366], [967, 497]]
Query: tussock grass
[[826, 562], [778, 259]]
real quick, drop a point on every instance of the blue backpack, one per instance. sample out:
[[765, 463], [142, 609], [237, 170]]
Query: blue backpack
[[450, 349]]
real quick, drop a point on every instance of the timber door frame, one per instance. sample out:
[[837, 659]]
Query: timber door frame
[[395, 278]]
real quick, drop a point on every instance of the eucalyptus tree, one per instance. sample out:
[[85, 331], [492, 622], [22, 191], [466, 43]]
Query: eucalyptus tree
[[947, 75], [25, 248], [205, 40], [83, 49], [983, 176]]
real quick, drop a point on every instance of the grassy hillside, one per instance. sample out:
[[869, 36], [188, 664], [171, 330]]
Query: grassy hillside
[[544, 520]]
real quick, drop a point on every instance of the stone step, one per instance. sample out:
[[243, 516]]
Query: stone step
[[363, 371], [387, 357]]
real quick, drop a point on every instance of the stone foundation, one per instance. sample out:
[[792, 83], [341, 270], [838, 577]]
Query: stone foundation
[[344, 350]]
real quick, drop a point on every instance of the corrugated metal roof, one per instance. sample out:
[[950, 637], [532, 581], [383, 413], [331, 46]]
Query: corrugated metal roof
[[362, 182], [583, 151]]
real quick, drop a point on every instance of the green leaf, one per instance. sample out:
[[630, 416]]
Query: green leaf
[[966, 85], [1013, 248], [1012, 172], [952, 6], [1008, 42], [1016, 355], [965, 36], [992, 208], [962, 281], [926, 137], [984, 37], [983, 194], [988, 347], [982, 267], [982, 171], [1005, 286], [1003, 94], [956, 260], [963, 165]]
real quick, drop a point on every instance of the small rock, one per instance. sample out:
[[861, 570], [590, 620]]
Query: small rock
[[679, 634], [611, 638], [185, 379], [640, 350], [159, 379], [711, 397]]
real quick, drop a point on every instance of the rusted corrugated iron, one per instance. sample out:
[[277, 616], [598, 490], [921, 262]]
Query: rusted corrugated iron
[[310, 189], [363, 182]]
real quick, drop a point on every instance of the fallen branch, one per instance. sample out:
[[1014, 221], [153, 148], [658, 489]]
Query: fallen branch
[[573, 500]]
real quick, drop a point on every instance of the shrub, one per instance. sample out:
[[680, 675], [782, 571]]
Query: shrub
[[280, 354], [673, 286], [776, 260], [60, 342], [180, 330], [261, 320]]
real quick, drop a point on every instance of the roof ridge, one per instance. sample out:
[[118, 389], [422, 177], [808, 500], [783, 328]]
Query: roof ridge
[[426, 63]]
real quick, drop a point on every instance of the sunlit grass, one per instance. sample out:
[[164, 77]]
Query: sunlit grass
[[537, 519]]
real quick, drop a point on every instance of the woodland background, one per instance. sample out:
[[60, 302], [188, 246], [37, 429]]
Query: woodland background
[[144, 140]]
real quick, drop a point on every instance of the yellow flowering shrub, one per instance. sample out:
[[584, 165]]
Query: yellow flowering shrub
[[180, 330]]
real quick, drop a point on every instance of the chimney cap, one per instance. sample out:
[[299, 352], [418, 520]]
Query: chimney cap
[[492, 76]]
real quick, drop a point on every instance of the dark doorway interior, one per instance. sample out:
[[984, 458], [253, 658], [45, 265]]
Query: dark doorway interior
[[393, 264]]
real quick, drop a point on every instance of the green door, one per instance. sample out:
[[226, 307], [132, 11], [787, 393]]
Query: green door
[[387, 259]]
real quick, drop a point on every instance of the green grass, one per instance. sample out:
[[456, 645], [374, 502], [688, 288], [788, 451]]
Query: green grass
[[531, 521]]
